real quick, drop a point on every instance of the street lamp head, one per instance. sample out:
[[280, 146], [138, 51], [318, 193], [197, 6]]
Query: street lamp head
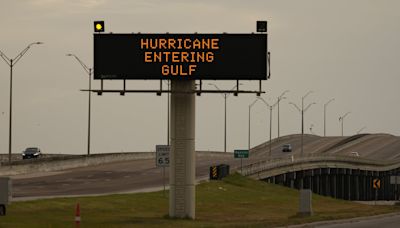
[[69, 55], [34, 44], [281, 96], [254, 102], [326, 104], [309, 92]]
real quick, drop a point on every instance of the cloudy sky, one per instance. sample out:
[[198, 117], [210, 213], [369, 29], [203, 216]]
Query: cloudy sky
[[347, 50]]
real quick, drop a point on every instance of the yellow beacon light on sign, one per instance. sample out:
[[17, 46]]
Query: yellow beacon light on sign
[[99, 26]]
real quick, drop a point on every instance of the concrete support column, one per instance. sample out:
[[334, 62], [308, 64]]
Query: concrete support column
[[364, 187], [343, 179], [348, 187], [327, 185], [182, 167], [357, 185], [334, 186]]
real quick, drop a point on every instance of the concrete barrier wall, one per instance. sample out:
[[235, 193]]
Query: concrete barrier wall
[[70, 162], [268, 168], [62, 162]]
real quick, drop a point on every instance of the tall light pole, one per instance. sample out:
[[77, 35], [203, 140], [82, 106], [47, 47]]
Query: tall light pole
[[341, 119], [270, 123], [225, 96], [361, 129], [11, 63], [311, 127], [168, 98], [325, 105], [251, 105], [302, 111], [281, 97], [89, 72]]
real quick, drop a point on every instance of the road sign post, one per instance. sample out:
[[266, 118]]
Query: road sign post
[[377, 185], [395, 180], [162, 159], [241, 154], [181, 58]]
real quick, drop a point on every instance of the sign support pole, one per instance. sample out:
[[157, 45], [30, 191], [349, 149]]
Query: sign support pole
[[163, 173], [241, 166], [182, 169]]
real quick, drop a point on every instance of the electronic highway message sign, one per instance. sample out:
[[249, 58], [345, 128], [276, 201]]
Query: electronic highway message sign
[[180, 56]]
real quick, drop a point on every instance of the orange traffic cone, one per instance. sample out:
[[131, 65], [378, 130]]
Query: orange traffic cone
[[77, 215]]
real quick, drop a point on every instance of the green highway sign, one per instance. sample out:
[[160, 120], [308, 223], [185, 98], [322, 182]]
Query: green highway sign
[[241, 153]]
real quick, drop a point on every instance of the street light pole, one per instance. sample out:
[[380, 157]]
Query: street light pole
[[251, 105], [168, 103], [168, 97], [341, 119], [270, 123], [11, 63], [10, 122], [225, 96], [281, 97], [302, 111], [359, 131], [325, 105], [89, 72]]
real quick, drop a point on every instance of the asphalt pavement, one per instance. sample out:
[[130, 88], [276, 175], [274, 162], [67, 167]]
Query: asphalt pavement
[[109, 178], [381, 222]]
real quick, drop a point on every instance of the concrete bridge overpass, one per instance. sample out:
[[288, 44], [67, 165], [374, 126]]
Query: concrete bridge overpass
[[327, 167]]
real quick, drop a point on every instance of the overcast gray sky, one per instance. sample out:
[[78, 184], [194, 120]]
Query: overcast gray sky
[[347, 50]]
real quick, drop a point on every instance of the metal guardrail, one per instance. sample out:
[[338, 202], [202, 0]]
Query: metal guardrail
[[290, 161]]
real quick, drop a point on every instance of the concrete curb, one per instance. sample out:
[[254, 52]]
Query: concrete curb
[[341, 221]]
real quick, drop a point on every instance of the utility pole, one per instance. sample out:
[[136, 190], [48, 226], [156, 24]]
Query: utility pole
[[341, 119], [11, 63], [281, 97], [225, 96], [325, 105], [302, 111], [270, 123], [361, 129], [168, 98], [89, 72], [250, 106]]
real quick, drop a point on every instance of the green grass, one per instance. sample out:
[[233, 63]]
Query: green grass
[[234, 202]]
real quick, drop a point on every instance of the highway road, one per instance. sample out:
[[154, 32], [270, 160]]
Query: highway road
[[142, 174], [382, 147], [108, 178], [383, 222]]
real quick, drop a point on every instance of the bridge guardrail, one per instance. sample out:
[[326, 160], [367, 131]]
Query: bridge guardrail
[[270, 164]]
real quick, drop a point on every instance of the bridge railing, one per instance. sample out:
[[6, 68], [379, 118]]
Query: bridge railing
[[273, 163]]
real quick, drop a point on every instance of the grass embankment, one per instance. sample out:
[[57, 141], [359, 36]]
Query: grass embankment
[[234, 202]]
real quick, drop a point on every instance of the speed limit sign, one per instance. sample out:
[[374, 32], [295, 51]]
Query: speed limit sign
[[162, 155]]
